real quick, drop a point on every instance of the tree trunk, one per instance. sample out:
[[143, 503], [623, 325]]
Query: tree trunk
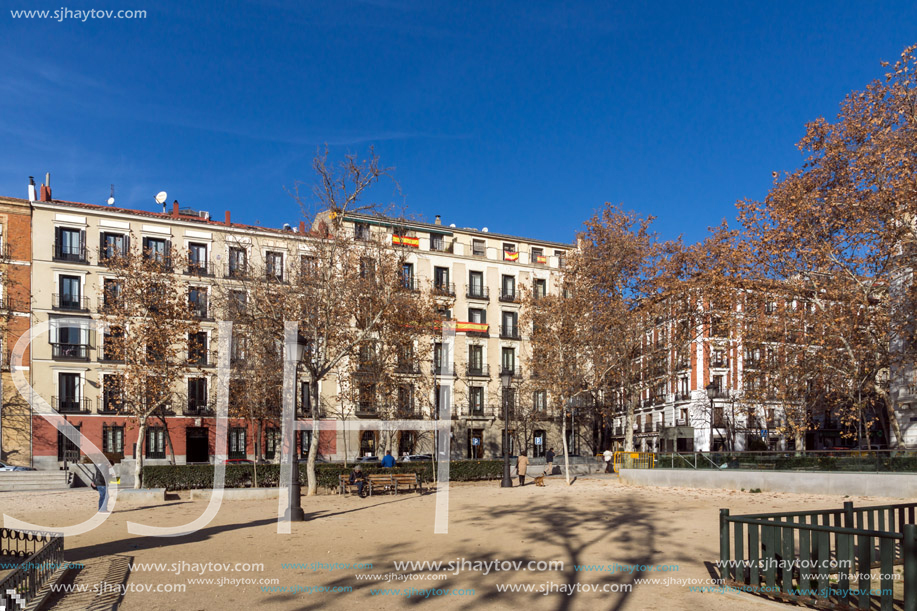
[[629, 427], [165, 426], [563, 437], [893, 426], [800, 440], [138, 462], [312, 484]]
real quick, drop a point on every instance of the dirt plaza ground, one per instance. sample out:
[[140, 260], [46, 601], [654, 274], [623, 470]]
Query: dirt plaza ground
[[344, 555]]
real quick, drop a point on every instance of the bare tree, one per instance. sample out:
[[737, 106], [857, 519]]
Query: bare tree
[[150, 322]]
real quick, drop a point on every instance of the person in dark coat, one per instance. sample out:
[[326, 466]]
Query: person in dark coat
[[358, 479], [100, 483], [549, 462]]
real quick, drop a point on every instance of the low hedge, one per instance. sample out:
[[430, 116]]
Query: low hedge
[[187, 477]]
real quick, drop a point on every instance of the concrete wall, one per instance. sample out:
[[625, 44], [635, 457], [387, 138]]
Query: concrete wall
[[895, 485]]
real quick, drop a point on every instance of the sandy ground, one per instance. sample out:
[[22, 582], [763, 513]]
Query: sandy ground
[[595, 521]]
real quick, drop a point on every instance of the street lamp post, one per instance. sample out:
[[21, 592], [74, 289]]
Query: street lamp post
[[506, 380], [294, 511]]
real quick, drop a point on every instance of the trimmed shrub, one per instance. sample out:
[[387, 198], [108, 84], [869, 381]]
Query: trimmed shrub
[[188, 477]]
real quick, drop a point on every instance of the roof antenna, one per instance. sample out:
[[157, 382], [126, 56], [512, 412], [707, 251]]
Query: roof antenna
[[111, 199]]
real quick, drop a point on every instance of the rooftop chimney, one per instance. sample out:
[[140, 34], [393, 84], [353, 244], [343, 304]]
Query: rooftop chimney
[[228, 221], [438, 220], [46, 189], [175, 209], [302, 226], [31, 188]]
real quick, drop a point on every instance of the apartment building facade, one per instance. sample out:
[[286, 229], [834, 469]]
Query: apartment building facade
[[479, 276], [15, 298]]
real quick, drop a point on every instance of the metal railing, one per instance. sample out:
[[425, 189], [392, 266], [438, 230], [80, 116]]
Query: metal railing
[[824, 558], [444, 288], [42, 556], [477, 292], [71, 406], [70, 351], [69, 302], [75, 253], [478, 371], [509, 331], [508, 296], [199, 268], [851, 461]]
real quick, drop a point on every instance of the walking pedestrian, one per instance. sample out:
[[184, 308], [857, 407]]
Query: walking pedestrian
[[549, 462], [607, 455], [100, 483], [522, 464]]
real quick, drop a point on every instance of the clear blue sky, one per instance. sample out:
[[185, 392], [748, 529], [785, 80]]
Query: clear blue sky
[[523, 117]]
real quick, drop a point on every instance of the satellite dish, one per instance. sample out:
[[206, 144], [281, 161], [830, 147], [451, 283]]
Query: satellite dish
[[111, 201], [161, 197], [452, 225], [484, 230]]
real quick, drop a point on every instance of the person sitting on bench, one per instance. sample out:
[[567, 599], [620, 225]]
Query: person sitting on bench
[[357, 478]]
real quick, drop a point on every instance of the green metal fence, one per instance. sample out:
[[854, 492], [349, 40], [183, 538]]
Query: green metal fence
[[861, 461], [825, 558]]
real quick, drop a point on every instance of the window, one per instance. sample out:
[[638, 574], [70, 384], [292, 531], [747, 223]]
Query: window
[[69, 297], [476, 285], [508, 288], [406, 399], [305, 398], [197, 298], [561, 258], [274, 265], [508, 359], [510, 328], [367, 268], [69, 244], [476, 400], [308, 267], [155, 442], [507, 247], [305, 440], [238, 262], [156, 249], [540, 400], [540, 287], [113, 439], [68, 388], [361, 231], [478, 315], [439, 358], [197, 348], [367, 398], [509, 252], [405, 362], [478, 248], [538, 256], [237, 303], [475, 359], [437, 242], [407, 276], [69, 340], [441, 279], [112, 393], [271, 442], [237, 447], [112, 245], [112, 344], [111, 293], [238, 349], [197, 394], [197, 258]]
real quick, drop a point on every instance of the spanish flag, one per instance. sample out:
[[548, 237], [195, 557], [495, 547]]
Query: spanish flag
[[510, 256], [403, 240], [541, 259], [474, 327]]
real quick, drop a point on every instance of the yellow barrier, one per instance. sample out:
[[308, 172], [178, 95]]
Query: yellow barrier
[[633, 460]]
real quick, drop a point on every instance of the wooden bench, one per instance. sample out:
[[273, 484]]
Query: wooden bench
[[383, 482], [407, 481], [345, 487]]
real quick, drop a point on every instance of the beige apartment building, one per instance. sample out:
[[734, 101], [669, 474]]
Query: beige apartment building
[[480, 274]]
